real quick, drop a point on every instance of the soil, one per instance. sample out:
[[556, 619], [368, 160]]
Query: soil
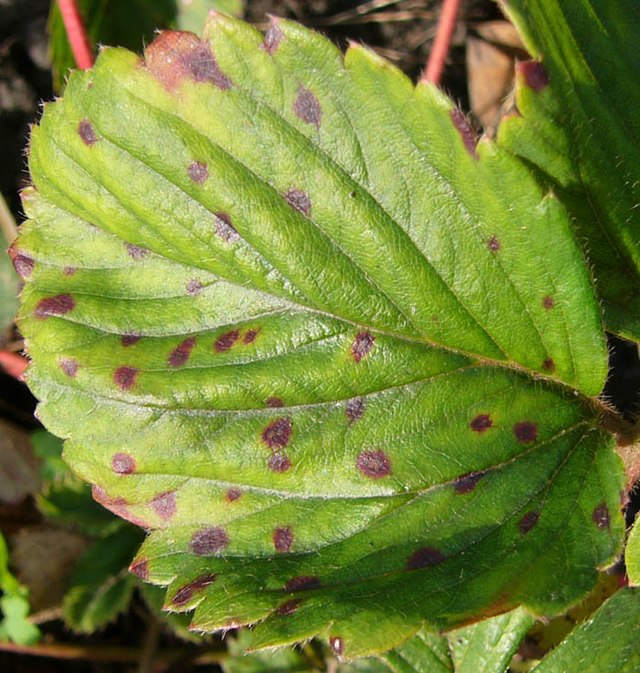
[[402, 31]]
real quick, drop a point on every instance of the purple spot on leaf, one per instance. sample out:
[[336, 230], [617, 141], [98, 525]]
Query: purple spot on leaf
[[69, 271], [525, 432], [69, 366], [535, 74], [225, 341], [203, 67], [198, 171], [302, 583], [467, 482], [355, 409], [233, 494], [274, 402], [272, 38], [528, 521], [135, 251], [307, 107], [337, 645], [283, 539], [23, 264], [194, 287], [279, 462], [374, 464], [86, 132], [424, 557], [548, 302], [288, 607], [601, 517], [362, 345], [164, 505], [125, 377], [129, 339], [250, 336], [180, 354], [186, 593], [493, 244], [278, 433], [224, 229], [299, 200], [58, 305], [140, 569], [481, 423], [465, 131], [549, 365], [123, 463], [209, 541]]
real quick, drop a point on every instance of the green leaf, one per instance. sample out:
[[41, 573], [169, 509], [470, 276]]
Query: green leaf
[[632, 555], [338, 360], [193, 13], [127, 23], [579, 126], [424, 653], [606, 643], [100, 586]]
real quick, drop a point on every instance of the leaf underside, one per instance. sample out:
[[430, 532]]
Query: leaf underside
[[335, 358], [580, 127]]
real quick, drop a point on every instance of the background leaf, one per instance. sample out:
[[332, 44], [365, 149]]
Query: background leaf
[[338, 359], [192, 14], [632, 555], [578, 121], [8, 289]]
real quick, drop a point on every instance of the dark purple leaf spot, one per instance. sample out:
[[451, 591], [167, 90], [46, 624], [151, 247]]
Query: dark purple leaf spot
[[180, 354], [186, 593], [601, 517], [374, 464], [467, 482], [299, 200], [233, 494], [272, 38], [337, 645], [23, 264], [465, 131], [209, 541], [525, 432], [125, 377], [58, 305], [86, 132], [198, 171], [535, 74], [224, 229], [528, 521], [362, 345], [225, 341], [307, 107], [481, 423], [548, 302], [135, 251], [164, 505], [140, 569], [278, 433], [288, 607], [123, 463], [279, 462], [69, 271], [355, 408], [129, 339], [493, 244], [69, 366], [194, 287], [424, 557], [203, 67], [302, 583], [283, 539], [250, 336], [549, 365], [274, 402]]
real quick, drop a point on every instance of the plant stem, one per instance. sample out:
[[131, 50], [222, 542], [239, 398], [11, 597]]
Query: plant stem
[[7, 223], [77, 33], [442, 42], [13, 364]]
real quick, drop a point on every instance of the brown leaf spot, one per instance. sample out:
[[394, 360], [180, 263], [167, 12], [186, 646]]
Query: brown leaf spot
[[481, 423], [176, 55], [303, 583], [424, 557], [283, 539], [209, 541], [140, 569], [233, 494], [69, 366], [525, 432], [123, 463], [362, 345], [534, 73], [547, 302], [467, 482], [465, 131], [528, 522], [194, 287], [493, 244], [307, 107], [23, 264], [225, 341], [125, 377], [60, 304], [299, 200], [136, 251], [601, 517], [549, 365], [164, 505], [272, 38], [374, 464], [279, 462], [278, 433], [250, 336], [224, 229], [180, 354], [274, 402], [198, 171], [185, 593], [355, 409], [288, 607], [129, 339], [337, 645], [87, 133]]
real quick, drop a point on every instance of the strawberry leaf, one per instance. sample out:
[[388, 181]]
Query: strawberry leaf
[[340, 361]]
